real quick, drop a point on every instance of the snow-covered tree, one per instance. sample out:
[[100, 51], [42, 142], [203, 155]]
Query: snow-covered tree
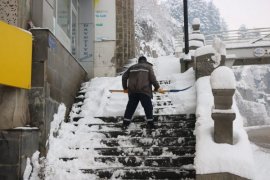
[[159, 23]]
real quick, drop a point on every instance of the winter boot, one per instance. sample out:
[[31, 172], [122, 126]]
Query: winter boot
[[151, 125], [125, 124]]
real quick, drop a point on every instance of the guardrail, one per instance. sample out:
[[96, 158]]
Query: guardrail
[[240, 36]]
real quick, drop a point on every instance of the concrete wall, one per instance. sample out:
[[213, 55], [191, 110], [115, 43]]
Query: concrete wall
[[56, 78], [15, 12], [15, 146], [104, 59], [14, 111], [119, 27]]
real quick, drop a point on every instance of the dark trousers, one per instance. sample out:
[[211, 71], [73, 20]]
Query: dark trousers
[[133, 102]]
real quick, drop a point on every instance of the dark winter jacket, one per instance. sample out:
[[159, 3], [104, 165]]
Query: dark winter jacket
[[139, 78]]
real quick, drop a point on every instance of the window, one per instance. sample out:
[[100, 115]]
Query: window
[[74, 36], [74, 28], [67, 24], [63, 16]]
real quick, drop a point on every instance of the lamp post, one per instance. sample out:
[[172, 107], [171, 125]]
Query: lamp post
[[186, 26]]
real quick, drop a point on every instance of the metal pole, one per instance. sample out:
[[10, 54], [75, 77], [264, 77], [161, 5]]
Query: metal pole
[[186, 26]]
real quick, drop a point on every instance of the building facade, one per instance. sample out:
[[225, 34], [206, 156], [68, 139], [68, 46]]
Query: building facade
[[73, 41], [114, 35]]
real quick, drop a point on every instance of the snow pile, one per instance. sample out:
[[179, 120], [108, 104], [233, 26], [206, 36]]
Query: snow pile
[[219, 46], [222, 78], [208, 49], [64, 146], [196, 21], [218, 49], [212, 157], [33, 167]]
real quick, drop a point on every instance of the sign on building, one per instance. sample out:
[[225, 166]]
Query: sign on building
[[105, 20], [15, 56]]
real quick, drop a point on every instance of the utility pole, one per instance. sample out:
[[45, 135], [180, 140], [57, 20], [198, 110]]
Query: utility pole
[[186, 26]]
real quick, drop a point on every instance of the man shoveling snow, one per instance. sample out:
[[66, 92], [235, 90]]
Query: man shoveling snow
[[137, 81]]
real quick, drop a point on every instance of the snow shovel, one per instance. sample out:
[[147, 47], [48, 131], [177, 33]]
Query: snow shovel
[[162, 91]]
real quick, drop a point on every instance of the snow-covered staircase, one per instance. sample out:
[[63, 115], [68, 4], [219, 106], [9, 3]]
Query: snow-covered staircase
[[90, 147], [139, 153]]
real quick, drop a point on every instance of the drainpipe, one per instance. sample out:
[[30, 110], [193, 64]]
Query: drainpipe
[[186, 26]]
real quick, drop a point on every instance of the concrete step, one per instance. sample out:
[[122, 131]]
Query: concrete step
[[146, 133], [142, 161], [146, 151], [162, 103], [161, 82], [146, 161], [158, 118], [142, 173], [142, 125], [138, 141]]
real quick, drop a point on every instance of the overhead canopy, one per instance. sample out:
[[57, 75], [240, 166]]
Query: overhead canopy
[[15, 56]]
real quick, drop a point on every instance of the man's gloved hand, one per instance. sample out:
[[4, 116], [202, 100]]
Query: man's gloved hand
[[125, 90], [161, 91]]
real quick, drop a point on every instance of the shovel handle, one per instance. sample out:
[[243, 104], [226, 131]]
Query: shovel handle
[[120, 91]]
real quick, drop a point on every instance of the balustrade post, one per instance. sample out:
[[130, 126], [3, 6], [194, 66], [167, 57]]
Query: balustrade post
[[223, 88]]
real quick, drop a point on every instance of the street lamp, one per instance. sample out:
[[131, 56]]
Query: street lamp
[[186, 26]]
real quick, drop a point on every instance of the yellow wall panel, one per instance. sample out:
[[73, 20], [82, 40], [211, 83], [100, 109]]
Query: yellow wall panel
[[15, 56]]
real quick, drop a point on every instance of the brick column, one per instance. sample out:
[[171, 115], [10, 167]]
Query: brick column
[[125, 31]]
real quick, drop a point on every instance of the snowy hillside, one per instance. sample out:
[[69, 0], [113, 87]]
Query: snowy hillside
[[155, 29], [159, 23], [253, 95]]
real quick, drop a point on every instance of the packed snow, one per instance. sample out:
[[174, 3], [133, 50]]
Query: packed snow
[[210, 156]]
